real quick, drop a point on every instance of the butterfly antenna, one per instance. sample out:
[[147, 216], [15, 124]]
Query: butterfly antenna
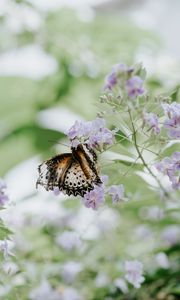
[[54, 141]]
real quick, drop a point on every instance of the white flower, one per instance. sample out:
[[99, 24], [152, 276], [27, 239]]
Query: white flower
[[171, 234], [155, 213], [44, 291], [143, 232], [162, 260], [101, 280], [69, 240], [134, 273], [70, 270], [121, 284], [4, 248], [70, 294], [10, 268]]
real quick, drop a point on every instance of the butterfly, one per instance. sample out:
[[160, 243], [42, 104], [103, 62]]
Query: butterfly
[[73, 173]]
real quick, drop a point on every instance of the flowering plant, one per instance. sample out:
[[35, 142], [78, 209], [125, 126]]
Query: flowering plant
[[147, 125], [124, 233], [140, 144]]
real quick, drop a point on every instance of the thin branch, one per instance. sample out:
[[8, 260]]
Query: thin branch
[[141, 156]]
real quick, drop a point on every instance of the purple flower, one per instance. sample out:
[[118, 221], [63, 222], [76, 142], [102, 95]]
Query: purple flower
[[134, 273], [75, 143], [151, 120], [56, 191], [118, 72], [98, 124], [171, 168], [134, 87], [101, 139], [69, 240], [75, 130], [110, 81], [79, 129], [171, 235], [104, 179], [70, 271], [172, 123], [94, 198], [117, 193], [3, 196], [94, 133]]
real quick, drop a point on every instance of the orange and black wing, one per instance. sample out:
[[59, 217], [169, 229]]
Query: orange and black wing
[[52, 171], [73, 173]]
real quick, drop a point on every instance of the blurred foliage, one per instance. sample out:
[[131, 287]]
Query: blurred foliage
[[84, 51]]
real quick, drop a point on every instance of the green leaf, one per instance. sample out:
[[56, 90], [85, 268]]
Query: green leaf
[[176, 290], [175, 95], [4, 231], [30, 140]]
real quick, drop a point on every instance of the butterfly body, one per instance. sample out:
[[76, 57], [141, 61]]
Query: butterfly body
[[73, 173]]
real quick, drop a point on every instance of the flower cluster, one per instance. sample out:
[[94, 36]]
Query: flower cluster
[[171, 168], [134, 273], [124, 78], [134, 87], [97, 136], [118, 71], [172, 123], [151, 120], [94, 133], [3, 196], [111, 80], [95, 198], [117, 193]]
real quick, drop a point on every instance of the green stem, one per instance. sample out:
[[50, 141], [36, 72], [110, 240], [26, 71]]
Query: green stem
[[141, 156]]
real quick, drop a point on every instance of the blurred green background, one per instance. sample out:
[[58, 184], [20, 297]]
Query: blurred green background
[[78, 54]]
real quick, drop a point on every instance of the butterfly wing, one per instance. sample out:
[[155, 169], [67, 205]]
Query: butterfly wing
[[76, 182], [73, 173], [82, 175], [88, 162], [52, 171]]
